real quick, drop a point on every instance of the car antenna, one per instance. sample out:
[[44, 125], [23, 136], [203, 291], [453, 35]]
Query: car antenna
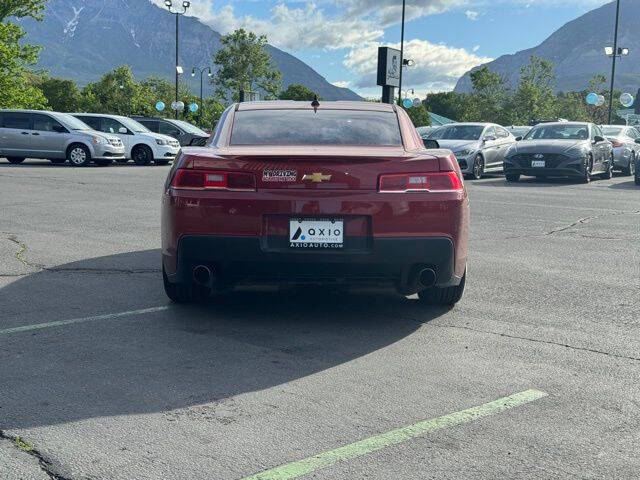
[[315, 104]]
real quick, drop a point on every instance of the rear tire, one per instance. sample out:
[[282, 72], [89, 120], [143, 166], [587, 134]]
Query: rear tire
[[512, 177], [15, 160], [184, 292], [443, 296], [631, 168], [79, 155], [142, 155]]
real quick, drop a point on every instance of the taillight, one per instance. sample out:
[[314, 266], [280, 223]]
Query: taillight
[[209, 180], [420, 182]]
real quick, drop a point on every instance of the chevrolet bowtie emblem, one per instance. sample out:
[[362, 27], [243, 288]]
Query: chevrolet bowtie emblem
[[316, 177]]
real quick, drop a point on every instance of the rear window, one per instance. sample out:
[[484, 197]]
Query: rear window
[[324, 127]]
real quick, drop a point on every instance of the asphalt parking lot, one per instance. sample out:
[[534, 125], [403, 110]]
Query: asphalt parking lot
[[102, 378]]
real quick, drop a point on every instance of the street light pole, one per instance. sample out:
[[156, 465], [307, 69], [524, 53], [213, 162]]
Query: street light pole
[[613, 64], [193, 74], [404, 5], [185, 5]]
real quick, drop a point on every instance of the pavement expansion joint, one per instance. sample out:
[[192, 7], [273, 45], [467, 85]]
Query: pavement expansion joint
[[46, 464]]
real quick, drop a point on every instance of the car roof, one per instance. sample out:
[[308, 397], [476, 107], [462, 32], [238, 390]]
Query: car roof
[[564, 124], [471, 124], [103, 115], [18, 110], [295, 105]]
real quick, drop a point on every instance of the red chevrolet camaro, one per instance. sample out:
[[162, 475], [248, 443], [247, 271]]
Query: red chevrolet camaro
[[340, 193]]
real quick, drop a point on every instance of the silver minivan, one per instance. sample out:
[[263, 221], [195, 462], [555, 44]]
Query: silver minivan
[[58, 137]]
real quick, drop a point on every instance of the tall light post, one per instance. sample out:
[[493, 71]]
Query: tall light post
[[614, 55], [209, 74], [185, 6], [404, 6]]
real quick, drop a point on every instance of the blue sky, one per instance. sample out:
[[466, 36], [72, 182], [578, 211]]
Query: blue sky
[[339, 38]]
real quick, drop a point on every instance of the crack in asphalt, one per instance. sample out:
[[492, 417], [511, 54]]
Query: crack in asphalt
[[21, 257], [46, 465], [536, 340], [577, 223]]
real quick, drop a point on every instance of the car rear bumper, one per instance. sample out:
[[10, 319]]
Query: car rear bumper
[[249, 261]]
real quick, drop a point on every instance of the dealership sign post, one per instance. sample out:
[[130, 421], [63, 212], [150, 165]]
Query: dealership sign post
[[388, 72]]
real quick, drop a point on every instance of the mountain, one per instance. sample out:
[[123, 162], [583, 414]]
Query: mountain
[[83, 39], [577, 50]]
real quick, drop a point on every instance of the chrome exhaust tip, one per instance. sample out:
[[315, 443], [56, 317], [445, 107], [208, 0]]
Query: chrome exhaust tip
[[426, 278], [202, 275]]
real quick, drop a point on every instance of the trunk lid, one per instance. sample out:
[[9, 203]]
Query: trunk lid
[[320, 168]]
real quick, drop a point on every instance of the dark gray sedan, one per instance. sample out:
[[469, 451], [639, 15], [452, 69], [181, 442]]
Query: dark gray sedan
[[563, 149]]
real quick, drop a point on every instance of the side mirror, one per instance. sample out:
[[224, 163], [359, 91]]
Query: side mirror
[[123, 130], [598, 139], [432, 143], [59, 129], [518, 139]]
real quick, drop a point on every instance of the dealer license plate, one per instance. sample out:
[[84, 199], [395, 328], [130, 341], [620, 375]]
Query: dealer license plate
[[538, 163], [312, 233]]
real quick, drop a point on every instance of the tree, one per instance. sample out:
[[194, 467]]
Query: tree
[[419, 115], [62, 95], [16, 89], [535, 98], [299, 92], [244, 64], [489, 99], [452, 105]]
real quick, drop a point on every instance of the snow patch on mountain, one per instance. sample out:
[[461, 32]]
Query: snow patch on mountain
[[133, 35], [70, 29]]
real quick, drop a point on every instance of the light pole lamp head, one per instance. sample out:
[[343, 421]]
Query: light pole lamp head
[[210, 73], [186, 4], [193, 72], [624, 51], [608, 51], [168, 3], [408, 63], [179, 70]]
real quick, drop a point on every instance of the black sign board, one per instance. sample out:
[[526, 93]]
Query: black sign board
[[388, 67]]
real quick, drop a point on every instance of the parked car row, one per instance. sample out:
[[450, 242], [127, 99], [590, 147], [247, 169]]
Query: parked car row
[[82, 138], [549, 149]]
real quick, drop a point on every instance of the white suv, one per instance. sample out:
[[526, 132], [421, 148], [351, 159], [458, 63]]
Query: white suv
[[141, 144]]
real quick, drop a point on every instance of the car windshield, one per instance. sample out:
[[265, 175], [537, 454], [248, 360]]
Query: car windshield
[[612, 131], [133, 125], [457, 132], [72, 122], [566, 131], [187, 127], [324, 127]]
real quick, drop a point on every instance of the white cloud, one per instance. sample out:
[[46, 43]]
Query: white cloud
[[342, 84], [472, 15], [476, 48], [437, 66]]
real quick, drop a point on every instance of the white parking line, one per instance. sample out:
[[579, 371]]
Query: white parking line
[[95, 318]]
